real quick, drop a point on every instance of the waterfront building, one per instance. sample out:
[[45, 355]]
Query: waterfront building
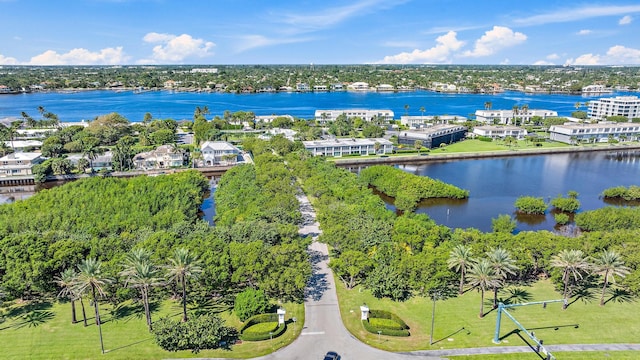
[[596, 89], [358, 86], [324, 116], [337, 87], [163, 157], [500, 131], [431, 137], [385, 88], [320, 88], [302, 87], [417, 122], [591, 133], [218, 153], [507, 116], [19, 163], [25, 134], [627, 106], [348, 146]]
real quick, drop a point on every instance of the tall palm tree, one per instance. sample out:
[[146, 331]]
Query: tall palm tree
[[183, 265], [90, 279], [406, 109], [483, 275], [573, 263], [141, 273], [504, 266], [66, 281], [422, 110], [460, 258], [609, 264], [487, 105]]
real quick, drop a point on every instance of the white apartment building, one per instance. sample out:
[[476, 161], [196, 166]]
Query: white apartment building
[[627, 106], [591, 133], [500, 132], [205, 70], [324, 116], [426, 121], [19, 163], [342, 147], [507, 116]]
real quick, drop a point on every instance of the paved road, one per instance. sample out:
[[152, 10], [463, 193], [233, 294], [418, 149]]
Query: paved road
[[323, 329]]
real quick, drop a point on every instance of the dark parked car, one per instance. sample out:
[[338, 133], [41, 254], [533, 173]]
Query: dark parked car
[[332, 355]]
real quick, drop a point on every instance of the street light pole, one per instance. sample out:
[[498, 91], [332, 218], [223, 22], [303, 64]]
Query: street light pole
[[433, 317]]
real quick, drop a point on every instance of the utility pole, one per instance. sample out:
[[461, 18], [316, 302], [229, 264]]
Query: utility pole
[[433, 316]]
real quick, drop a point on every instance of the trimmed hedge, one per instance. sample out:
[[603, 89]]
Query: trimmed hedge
[[262, 318], [379, 321]]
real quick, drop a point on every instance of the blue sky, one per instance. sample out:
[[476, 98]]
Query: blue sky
[[120, 32]]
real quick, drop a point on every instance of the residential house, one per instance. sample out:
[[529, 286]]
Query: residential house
[[218, 153], [163, 157], [19, 163]]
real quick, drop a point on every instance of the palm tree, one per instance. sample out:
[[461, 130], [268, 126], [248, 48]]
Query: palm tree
[[406, 109], [609, 264], [503, 265], [183, 265], [422, 110], [483, 275], [91, 149], [459, 260], [66, 281], [141, 273], [487, 105], [572, 263], [90, 278]]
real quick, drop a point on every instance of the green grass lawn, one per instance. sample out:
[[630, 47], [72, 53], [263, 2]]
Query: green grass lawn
[[608, 355], [457, 324], [44, 331]]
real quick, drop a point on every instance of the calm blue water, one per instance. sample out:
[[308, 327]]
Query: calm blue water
[[86, 105], [494, 185]]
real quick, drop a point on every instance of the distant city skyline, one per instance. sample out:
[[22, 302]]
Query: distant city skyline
[[200, 32]]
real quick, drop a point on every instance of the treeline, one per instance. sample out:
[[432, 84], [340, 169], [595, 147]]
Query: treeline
[[106, 219], [408, 189]]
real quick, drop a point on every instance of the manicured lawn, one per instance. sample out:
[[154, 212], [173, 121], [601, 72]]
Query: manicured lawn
[[457, 324], [617, 355], [45, 332]]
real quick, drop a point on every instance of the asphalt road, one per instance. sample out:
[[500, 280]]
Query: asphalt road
[[323, 329]]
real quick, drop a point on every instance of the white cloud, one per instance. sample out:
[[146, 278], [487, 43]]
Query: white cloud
[[625, 20], [543, 62], [568, 14], [553, 56], [584, 32], [8, 60], [616, 55], [80, 56], [175, 49], [248, 42], [624, 55], [492, 41], [403, 44], [440, 53]]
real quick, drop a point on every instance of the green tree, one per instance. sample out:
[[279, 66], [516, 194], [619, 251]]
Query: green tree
[[90, 279], [140, 273], [351, 267], [460, 259], [609, 264], [66, 282], [503, 224], [184, 265], [483, 275], [573, 263], [250, 302], [418, 145], [91, 149], [503, 265]]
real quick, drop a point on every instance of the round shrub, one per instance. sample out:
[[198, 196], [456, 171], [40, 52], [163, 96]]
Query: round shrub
[[531, 205], [561, 218], [250, 302]]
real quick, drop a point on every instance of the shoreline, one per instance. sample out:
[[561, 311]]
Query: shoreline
[[429, 157]]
